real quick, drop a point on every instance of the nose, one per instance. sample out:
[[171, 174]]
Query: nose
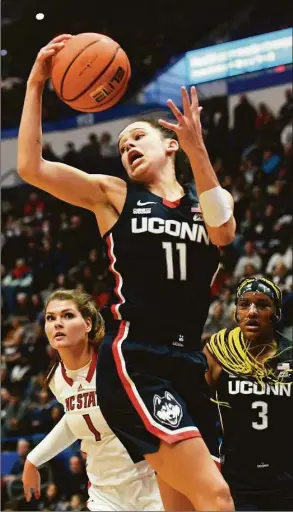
[[58, 323], [129, 145], [252, 310]]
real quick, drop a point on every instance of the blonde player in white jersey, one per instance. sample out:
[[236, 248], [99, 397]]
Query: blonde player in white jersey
[[74, 329]]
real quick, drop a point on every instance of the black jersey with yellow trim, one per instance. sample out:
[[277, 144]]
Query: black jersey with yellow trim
[[257, 447], [163, 263]]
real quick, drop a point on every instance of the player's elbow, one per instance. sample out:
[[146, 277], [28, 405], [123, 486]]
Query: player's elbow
[[223, 235], [28, 170]]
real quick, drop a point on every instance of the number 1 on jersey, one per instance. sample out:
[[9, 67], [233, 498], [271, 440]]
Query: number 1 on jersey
[[181, 247], [91, 426]]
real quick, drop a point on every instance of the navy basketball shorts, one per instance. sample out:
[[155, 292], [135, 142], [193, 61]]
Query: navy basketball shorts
[[150, 391], [263, 500]]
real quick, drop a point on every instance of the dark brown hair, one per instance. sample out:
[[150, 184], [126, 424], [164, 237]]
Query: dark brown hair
[[87, 309]]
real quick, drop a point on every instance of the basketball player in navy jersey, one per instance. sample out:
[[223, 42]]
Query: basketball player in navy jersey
[[162, 243], [251, 371]]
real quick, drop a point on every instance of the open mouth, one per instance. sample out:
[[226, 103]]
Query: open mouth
[[134, 155], [59, 335], [252, 323]]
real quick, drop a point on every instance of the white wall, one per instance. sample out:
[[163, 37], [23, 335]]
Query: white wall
[[58, 141]]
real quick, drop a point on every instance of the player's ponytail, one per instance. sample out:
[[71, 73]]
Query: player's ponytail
[[87, 309]]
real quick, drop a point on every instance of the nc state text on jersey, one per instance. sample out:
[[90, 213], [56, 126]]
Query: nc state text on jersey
[[81, 401]]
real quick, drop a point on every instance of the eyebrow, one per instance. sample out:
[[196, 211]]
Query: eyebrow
[[131, 131], [63, 311], [259, 299]]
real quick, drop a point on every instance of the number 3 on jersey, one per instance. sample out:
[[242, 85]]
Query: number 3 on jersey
[[262, 413], [171, 254]]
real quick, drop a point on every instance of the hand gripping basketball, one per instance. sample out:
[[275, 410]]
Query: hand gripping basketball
[[41, 70]]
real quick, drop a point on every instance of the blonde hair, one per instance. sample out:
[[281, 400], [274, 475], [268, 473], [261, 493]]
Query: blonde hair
[[87, 309], [233, 354]]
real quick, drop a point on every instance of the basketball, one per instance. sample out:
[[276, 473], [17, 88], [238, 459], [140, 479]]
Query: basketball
[[91, 73]]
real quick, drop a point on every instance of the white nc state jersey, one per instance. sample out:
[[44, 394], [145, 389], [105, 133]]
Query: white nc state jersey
[[108, 462]]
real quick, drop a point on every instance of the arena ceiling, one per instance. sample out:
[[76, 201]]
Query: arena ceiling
[[150, 31]]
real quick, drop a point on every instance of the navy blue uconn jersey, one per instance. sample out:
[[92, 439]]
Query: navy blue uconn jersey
[[257, 448], [163, 263]]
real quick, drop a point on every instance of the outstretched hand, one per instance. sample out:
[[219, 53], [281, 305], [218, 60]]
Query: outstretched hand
[[31, 481], [188, 127]]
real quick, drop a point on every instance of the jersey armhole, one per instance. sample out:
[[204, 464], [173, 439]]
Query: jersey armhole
[[118, 221]]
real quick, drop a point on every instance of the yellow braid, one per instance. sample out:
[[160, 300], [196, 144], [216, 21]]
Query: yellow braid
[[233, 354]]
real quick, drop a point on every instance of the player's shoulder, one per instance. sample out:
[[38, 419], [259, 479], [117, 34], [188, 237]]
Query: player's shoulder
[[219, 339], [109, 183], [226, 345], [56, 381], [285, 347]]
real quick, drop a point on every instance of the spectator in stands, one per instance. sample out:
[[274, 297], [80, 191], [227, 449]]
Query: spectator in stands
[[226, 299], [250, 256], [271, 163], [76, 479], [244, 122], [48, 153], [15, 423], [34, 205], [77, 502], [40, 412], [286, 110], [23, 307], [50, 499], [283, 255], [18, 279], [13, 336], [216, 320], [37, 384], [71, 156], [23, 448], [90, 155], [282, 277], [108, 149], [5, 399], [258, 201], [250, 271], [56, 414], [266, 127]]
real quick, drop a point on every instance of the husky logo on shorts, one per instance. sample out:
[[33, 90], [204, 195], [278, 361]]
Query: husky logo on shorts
[[167, 410]]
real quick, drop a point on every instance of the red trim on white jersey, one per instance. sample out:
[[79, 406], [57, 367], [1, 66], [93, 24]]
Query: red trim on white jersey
[[92, 366], [118, 278], [170, 436], [64, 375], [90, 372]]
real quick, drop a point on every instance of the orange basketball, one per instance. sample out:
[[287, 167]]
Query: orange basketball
[[91, 73]]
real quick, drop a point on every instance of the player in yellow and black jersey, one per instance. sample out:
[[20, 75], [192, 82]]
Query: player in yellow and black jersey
[[250, 369]]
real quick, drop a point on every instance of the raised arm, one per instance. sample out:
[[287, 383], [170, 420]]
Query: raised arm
[[62, 181], [216, 203], [55, 442]]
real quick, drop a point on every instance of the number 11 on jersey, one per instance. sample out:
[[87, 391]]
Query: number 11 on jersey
[[171, 254]]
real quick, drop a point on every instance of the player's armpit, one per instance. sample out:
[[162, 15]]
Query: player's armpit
[[214, 369], [72, 185]]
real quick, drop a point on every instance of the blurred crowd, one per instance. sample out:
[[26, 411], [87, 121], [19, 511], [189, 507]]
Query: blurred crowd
[[47, 244]]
